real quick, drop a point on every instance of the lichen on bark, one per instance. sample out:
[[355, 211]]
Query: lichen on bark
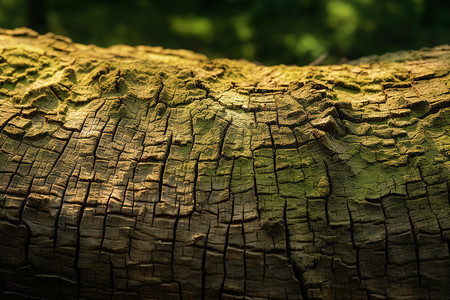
[[147, 173]]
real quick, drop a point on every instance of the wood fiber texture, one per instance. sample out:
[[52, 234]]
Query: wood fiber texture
[[145, 173]]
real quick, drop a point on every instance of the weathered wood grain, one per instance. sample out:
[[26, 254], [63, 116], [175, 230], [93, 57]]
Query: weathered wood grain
[[144, 173]]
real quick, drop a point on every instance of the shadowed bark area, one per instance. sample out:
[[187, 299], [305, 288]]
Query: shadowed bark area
[[144, 173]]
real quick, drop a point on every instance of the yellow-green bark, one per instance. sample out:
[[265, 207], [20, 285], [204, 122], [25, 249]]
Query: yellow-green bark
[[145, 173]]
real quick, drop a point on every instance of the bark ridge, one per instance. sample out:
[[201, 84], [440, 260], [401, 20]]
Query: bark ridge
[[146, 173]]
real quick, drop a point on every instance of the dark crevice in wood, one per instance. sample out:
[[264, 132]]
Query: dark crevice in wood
[[415, 236], [297, 273], [327, 198], [204, 264], [175, 226], [77, 242], [386, 239]]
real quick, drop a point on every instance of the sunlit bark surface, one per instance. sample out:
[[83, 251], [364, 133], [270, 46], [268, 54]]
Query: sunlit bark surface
[[144, 173]]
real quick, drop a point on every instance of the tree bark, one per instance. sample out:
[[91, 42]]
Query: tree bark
[[144, 173]]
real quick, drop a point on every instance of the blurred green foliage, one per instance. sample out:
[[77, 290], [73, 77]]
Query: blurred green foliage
[[267, 31]]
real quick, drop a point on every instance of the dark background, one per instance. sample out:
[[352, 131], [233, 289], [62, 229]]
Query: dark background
[[266, 31]]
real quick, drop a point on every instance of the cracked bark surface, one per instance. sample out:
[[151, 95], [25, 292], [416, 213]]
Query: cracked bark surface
[[144, 173]]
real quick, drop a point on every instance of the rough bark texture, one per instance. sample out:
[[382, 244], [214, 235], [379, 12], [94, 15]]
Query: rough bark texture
[[143, 173]]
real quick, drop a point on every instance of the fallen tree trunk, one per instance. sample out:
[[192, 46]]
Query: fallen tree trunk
[[144, 173]]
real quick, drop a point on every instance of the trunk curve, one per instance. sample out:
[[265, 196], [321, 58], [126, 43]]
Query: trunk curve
[[144, 173]]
